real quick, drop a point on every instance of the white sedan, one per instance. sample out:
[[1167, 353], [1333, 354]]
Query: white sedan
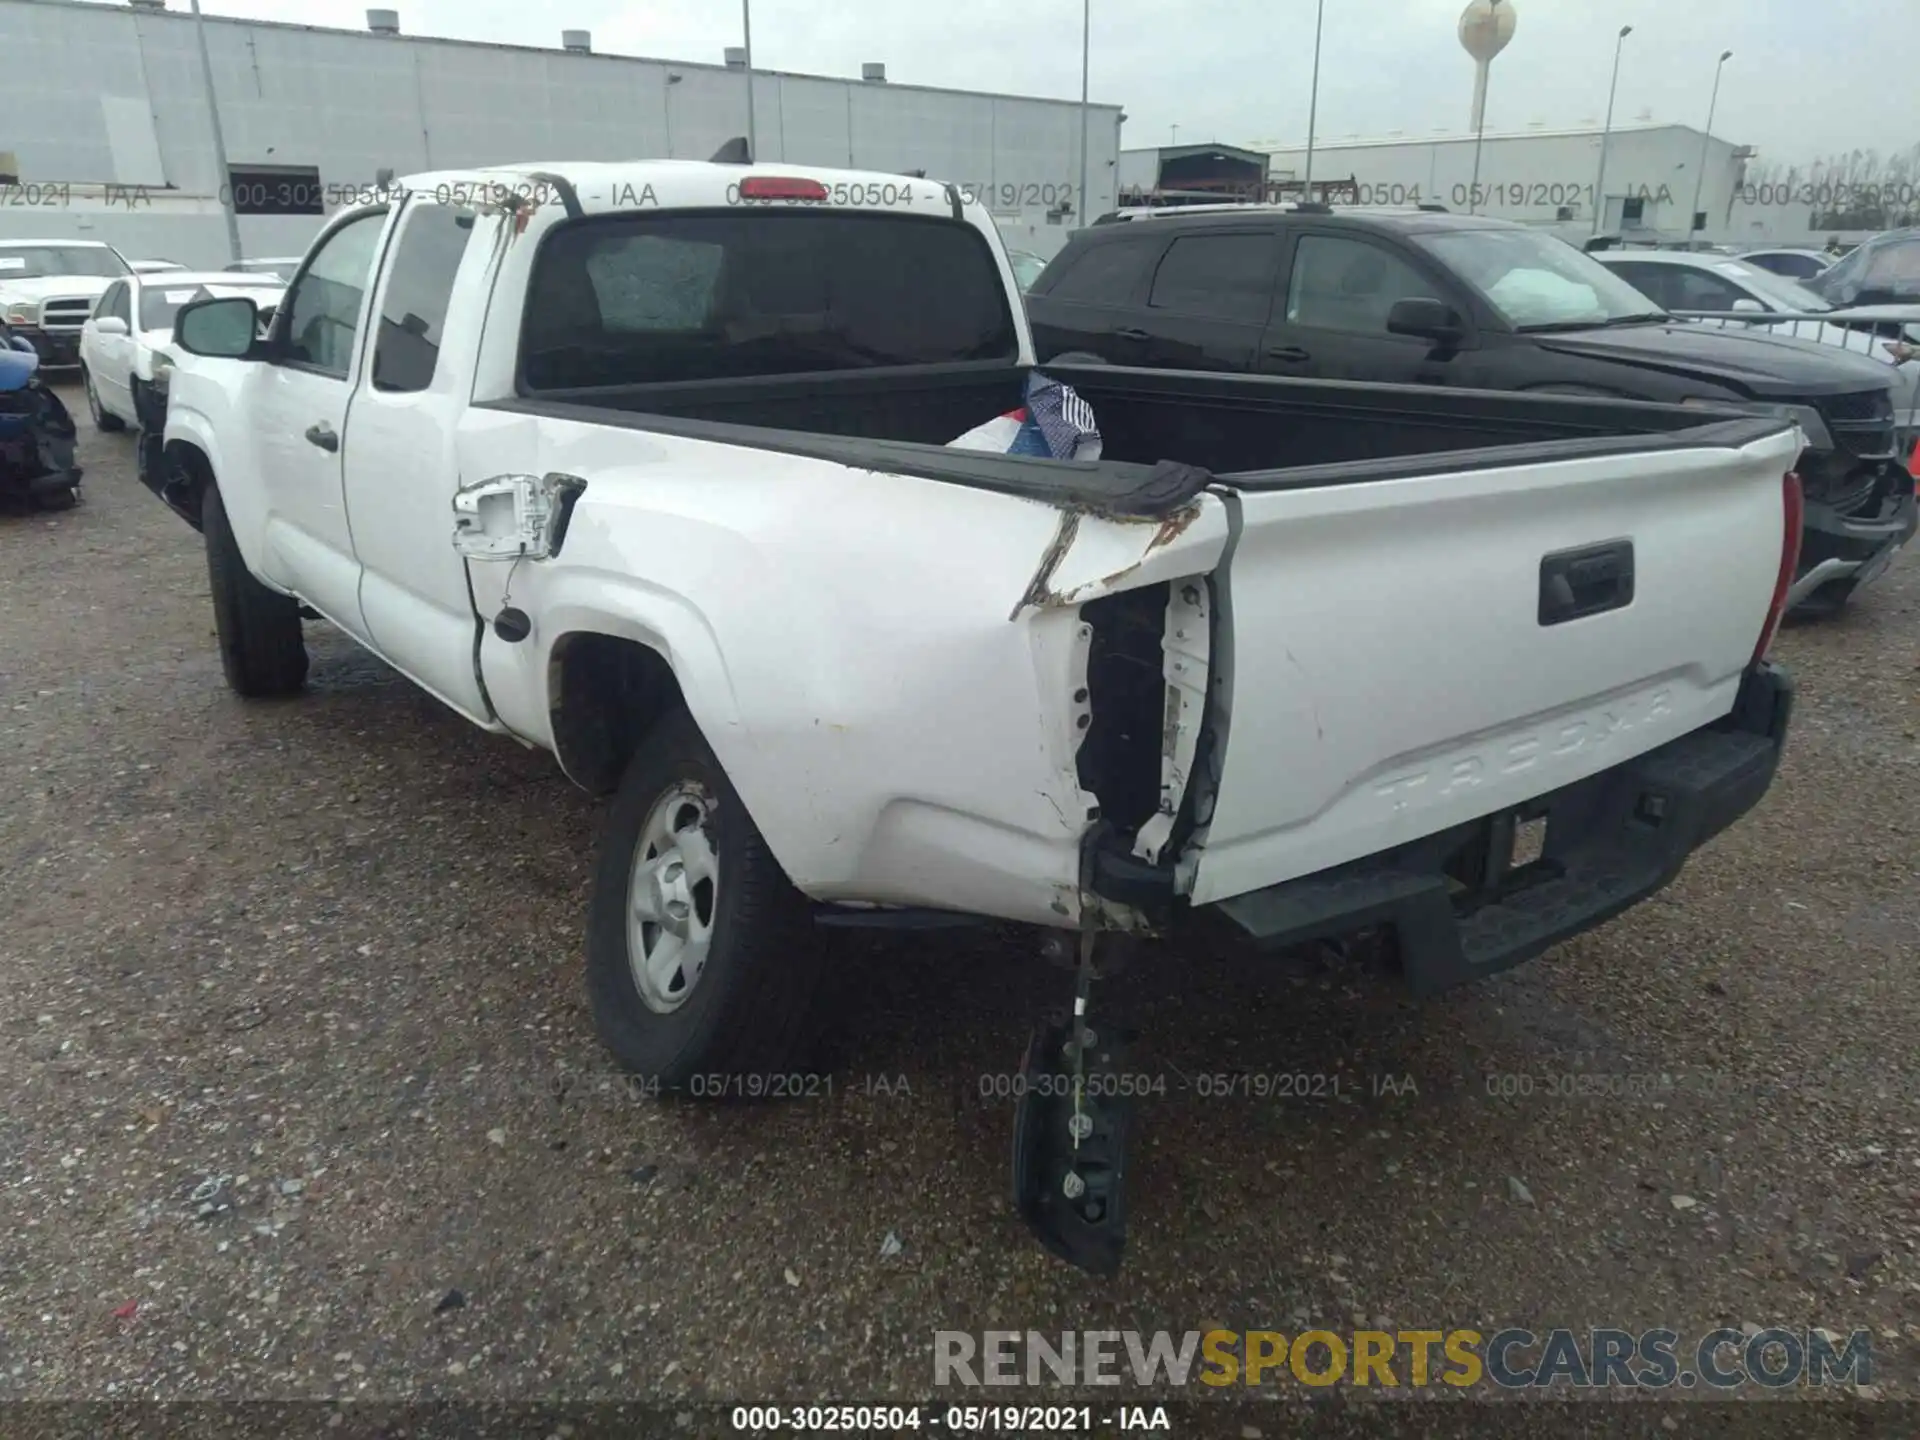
[[1715, 290], [126, 346]]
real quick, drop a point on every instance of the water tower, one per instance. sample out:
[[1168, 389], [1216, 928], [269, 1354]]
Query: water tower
[[1485, 28]]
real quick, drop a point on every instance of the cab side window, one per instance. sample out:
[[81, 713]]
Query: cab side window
[[1105, 274], [1350, 285], [1653, 281], [1699, 290], [1227, 277], [413, 307], [323, 307]]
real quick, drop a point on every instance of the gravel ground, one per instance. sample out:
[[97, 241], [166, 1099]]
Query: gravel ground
[[294, 1047]]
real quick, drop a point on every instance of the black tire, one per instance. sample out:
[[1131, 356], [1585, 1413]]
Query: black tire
[[755, 1010], [58, 499], [102, 420], [261, 648]]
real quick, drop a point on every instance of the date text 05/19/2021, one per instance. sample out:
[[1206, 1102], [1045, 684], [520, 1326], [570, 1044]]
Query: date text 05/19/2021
[[954, 1419]]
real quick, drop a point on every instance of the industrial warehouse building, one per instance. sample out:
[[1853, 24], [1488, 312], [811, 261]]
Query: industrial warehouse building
[[106, 119], [1537, 176], [1548, 177]]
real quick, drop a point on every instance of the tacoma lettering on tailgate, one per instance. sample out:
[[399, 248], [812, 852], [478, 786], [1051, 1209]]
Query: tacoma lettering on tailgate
[[1517, 753]]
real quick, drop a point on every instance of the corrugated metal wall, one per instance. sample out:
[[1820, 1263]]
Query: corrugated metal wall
[[1530, 177], [113, 95]]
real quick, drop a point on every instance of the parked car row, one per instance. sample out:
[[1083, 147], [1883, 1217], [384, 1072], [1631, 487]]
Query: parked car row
[[126, 346], [1416, 297]]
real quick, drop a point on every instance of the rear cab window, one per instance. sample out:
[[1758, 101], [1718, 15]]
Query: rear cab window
[[712, 295]]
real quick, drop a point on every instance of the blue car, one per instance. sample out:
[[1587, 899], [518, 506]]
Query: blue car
[[36, 432]]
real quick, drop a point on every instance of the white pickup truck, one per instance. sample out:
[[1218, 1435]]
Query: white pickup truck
[[646, 465]]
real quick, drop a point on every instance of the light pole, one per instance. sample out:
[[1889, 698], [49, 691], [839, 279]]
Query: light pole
[[746, 38], [1086, 52], [666, 101], [1706, 140], [1600, 183], [1313, 94], [219, 140]]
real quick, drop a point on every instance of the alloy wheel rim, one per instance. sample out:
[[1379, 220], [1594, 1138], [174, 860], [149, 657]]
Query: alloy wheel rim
[[672, 895]]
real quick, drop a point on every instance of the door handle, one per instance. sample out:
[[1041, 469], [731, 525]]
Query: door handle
[[1133, 332], [1589, 581], [321, 434], [1291, 353]]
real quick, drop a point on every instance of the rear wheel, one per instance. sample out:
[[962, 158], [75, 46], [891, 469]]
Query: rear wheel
[[261, 648], [101, 418], [702, 958], [63, 499]]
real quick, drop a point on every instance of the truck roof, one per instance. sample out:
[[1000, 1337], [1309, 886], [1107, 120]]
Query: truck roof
[[46, 240], [624, 184]]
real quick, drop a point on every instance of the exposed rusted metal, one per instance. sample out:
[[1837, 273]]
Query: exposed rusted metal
[[1173, 526], [1037, 594], [1040, 594]]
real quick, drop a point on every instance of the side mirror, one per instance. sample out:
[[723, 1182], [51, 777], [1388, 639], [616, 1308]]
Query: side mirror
[[1746, 305], [222, 328], [1425, 317], [109, 325]]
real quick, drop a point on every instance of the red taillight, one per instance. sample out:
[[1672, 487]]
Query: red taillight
[[1793, 505], [1913, 464], [778, 187]]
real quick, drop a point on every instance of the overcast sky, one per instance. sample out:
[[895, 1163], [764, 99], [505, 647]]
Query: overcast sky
[[1807, 78]]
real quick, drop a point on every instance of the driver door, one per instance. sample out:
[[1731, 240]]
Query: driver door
[[298, 406]]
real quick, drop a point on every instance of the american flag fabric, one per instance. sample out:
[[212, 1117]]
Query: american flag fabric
[[1063, 418], [1055, 424]]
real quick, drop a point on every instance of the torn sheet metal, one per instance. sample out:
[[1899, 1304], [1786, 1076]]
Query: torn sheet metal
[[1186, 650], [1090, 556]]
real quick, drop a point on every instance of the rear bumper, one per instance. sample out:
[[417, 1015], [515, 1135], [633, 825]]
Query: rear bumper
[[1611, 841], [47, 482]]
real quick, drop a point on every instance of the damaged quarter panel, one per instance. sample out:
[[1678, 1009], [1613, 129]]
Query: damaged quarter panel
[[854, 645]]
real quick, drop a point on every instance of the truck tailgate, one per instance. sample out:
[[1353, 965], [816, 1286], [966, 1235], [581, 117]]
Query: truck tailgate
[[1400, 656]]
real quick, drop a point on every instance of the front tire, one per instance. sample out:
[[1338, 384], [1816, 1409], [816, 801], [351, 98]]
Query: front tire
[[102, 418], [702, 958], [261, 648]]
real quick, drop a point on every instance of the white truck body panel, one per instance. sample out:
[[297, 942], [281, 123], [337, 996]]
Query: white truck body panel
[[886, 666], [1367, 594]]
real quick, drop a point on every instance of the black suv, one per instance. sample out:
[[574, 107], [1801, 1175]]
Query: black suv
[[1425, 298]]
